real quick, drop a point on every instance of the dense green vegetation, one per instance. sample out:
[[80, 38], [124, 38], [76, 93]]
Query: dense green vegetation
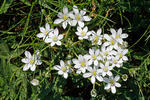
[[20, 21]]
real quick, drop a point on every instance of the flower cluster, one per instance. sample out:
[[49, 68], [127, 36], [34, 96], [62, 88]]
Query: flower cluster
[[99, 64]]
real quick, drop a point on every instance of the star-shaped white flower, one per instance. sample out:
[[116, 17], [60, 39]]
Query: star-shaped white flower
[[62, 69], [54, 38], [106, 53], [116, 61], [121, 54], [106, 69], [30, 61], [94, 73], [83, 33], [111, 42], [96, 38], [118, 36], [45, 32], [94, 56], [82, 63], [112, 83], [63, 18], [79, 16]]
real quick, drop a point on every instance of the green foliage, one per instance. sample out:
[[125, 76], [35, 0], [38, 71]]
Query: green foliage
[[19, 25]]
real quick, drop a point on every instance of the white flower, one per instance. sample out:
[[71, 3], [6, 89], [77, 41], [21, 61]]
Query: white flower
[[118, 36], [83, 33], [96, 38], [62, 69], [112, 83], [63, 18], [105, 69], [106, 52], [94, 56], [111, 42], [30, 61], [79, 17], [82, 63], [45, 32], [116, 61], [121, 54], [35, 82], [124, 77], [94, 73], [54, 38]]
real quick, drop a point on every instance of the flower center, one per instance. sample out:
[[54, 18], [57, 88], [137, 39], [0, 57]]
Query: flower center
[[112, 82], [65, 17], [96, 39], [124, 76], [82, 33], [106, 53], [94, 57], [117, 36], [55, 38], [115, 61], [112, 42], [63, 69], [78, 17], [83, 64], [31, 61], [121, 55], [46, 33], [94, 73], [105, 69]]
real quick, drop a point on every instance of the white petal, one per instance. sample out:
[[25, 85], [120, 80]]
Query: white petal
[[124, 35], [124, 58], [75, 61], [25, 60], [58, 43], [57, 67], [58, 21], [113, 89], [107, 37], [40, 35], [85, 29], [71, 15], [86, 18], [73, 22], [86, 75], [117, 78], [65, 75], [119, 31], [26, 67], [47, 26], [81, 24], [60, 37], [39, 62], [28, 54], [64, 24], [95, 62], [93, 79], [125, 51], [42, 29], [107, 87], [99, 31], [52, 44], [62, 64], [65, 10], [48, 40], [91, 51], [56, 31], [75, 9], [60, 72], [117, 85], [83, 12], [99, 78], [60, 14], [33, 67], [113, 31], [109, 73]]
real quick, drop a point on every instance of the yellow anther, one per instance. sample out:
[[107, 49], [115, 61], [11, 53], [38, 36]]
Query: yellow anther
[[105, 69], [83, 64]]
